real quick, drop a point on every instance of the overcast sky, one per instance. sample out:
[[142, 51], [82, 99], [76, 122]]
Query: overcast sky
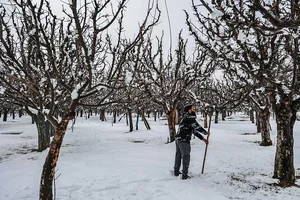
[[176, 16], [136, 11]]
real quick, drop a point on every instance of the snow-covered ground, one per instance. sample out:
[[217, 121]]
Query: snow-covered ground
[[101, 161]]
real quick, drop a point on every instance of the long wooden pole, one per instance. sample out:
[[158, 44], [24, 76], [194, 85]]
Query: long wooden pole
[[209, 124]]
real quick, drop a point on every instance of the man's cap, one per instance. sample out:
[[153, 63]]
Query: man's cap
[[187, 108]]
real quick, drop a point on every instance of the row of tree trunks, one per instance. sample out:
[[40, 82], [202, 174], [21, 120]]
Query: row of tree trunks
[[6, 112], [284, 156], [263, 123]]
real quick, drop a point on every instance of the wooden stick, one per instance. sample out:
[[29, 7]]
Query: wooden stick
[[209, 123]]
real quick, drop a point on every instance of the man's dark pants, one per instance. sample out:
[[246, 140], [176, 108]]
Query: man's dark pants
[[183, 150]]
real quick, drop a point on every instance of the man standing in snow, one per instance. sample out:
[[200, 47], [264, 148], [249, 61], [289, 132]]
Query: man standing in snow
[[187, 126]]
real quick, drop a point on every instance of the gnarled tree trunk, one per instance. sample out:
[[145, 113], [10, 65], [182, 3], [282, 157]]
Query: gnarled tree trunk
[[284, 158], [102, 114], [264, 118], [147, 125], [171, 124], [258, 123], [43, 133], [52, 156], [51, 161]]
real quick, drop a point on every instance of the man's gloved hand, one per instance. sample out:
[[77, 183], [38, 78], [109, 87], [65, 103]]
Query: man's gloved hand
[[205, 140]]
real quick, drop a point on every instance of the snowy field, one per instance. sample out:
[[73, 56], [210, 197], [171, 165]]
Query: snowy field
[[101, 161]]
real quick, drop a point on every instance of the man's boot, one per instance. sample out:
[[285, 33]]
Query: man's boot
[[176, 172], [185, 175]]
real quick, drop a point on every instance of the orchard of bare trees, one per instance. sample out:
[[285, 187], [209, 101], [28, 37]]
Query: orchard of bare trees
[[53, 67]]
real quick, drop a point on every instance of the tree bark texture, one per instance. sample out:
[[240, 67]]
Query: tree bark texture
[[5, 113], [49, 130], [258, 124], [145, 121], [114, 116], [216, 116], [13, 114], [264, 118], [20, 113], [137, 121], [155, 115], [130, 120], [223, 114], [251, 115], [51, 161], [284, 158], [102, 114], [43, 134], [171, 124]]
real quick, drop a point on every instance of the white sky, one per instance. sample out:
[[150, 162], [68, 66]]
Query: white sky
[[136, 10], [176, 16], [99, 161]]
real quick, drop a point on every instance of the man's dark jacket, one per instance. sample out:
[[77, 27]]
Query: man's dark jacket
[[188, 126]]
